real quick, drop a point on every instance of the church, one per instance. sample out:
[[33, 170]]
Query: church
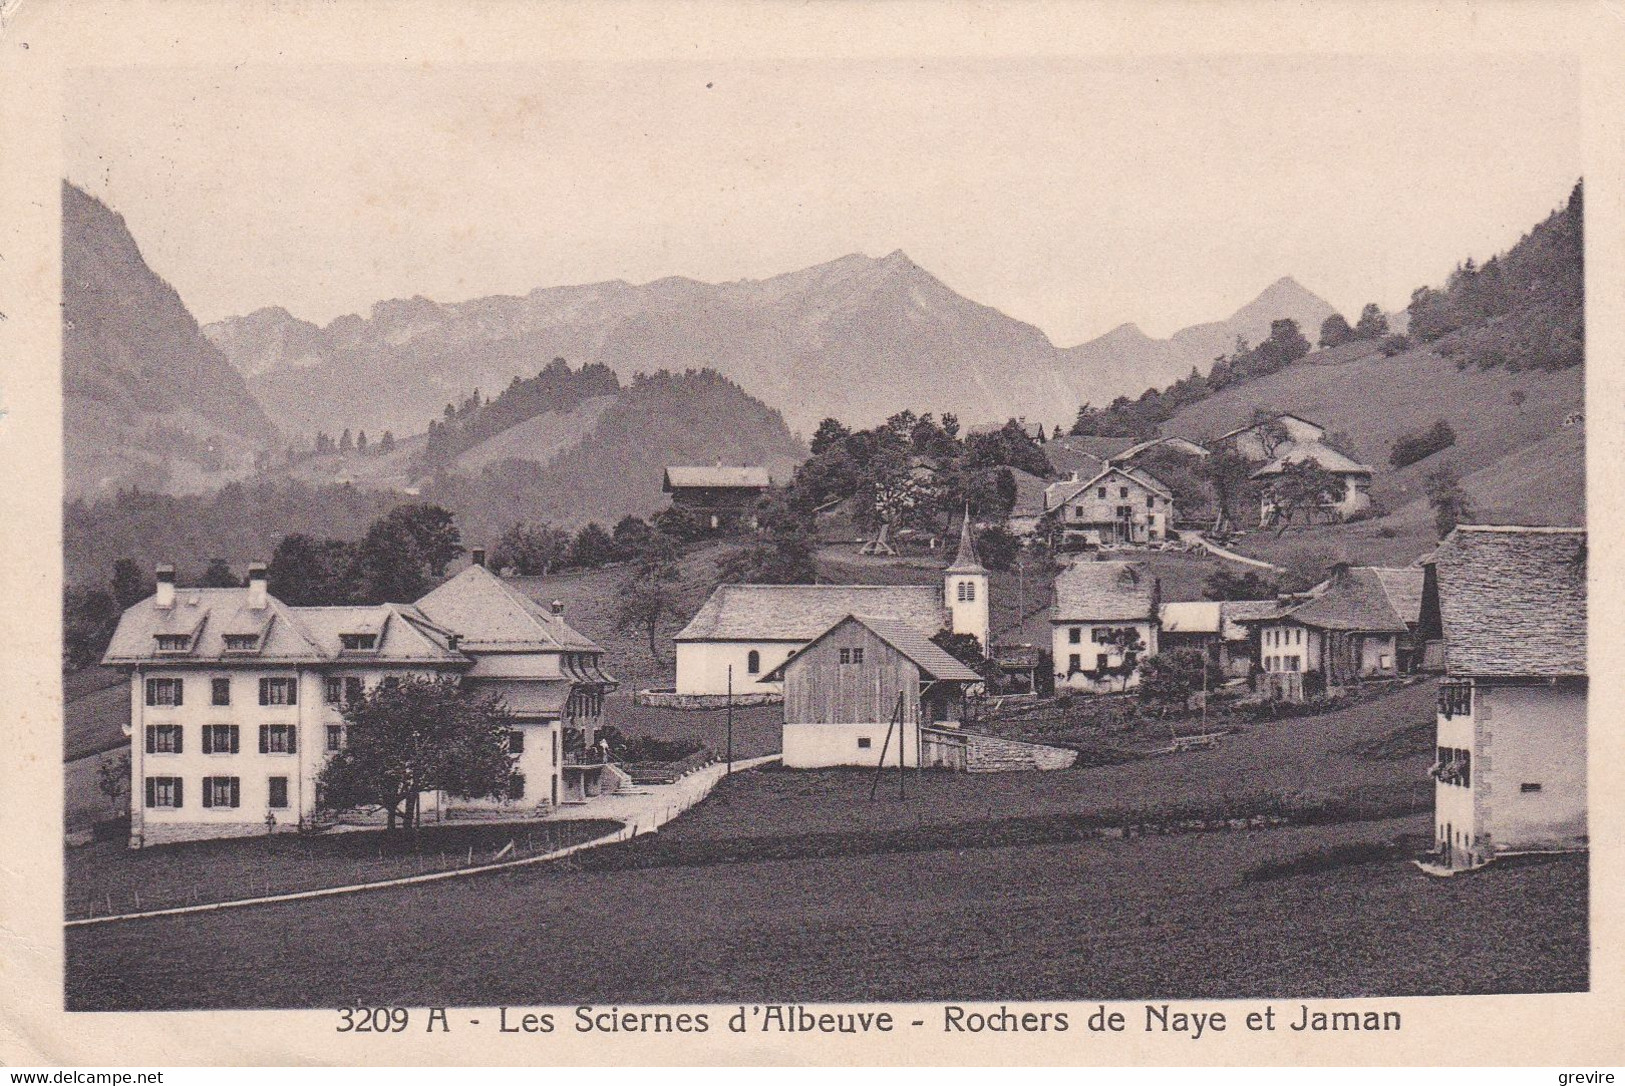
[[753, 629]]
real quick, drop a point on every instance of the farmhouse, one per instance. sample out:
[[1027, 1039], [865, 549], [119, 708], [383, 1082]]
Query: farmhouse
[[1103, 623], [1116, 505], [236, 698], [1262, 441], [864, 688], [1510, 772], [1350, 495], [1214, 628], [752, 629], [721, 498], [548, 675], [1360, 624]]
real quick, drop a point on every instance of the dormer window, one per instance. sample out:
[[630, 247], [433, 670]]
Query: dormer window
[[242, 642], [358, 642], [174, 642]]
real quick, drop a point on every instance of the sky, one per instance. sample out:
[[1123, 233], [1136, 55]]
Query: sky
[[1073, 194]]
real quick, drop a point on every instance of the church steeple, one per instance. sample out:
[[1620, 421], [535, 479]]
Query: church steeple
[[966, 561]]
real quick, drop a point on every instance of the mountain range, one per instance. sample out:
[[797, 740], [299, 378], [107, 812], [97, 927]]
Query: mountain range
[[857, 338]]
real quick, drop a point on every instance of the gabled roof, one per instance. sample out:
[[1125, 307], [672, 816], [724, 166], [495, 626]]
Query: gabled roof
[[775, 612], [1255, 425], [1058, 494], [932, 660], [1191, 617], [1404, 588], [1030, 491], [288, 635], [753, 478], [1104, 592], [1084, 455], [492, 615], [1513, 601], [1239, 612], [1353, 601], [1178, 444], [1326, 456]]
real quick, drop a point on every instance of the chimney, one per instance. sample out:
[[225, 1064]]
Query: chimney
[[256, 586], [477, 555], [164, 597], [558, 607]]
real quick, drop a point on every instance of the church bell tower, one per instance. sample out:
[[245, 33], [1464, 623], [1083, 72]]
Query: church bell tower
[[965, 589]]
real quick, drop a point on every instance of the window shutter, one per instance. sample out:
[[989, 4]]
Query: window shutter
[[180, 691], [152, 742], [180, 739], [235, 739], [152, 792], [208, 791], [265, 691], [178, 782], [208, 739], [236, 792], [293, 740], [265, 738]]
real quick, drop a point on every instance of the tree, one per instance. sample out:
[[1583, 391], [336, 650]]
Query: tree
[[113, 781], [345, 442], [997, 547], [219, 575], [631, 534], [404, 551], [531, 550], [1372, 323], [1335, 330], [648, 594], [1229, 475], [785, 552], [417, 734], [967, 649], [1449, 501], [829, 434], [679, 524], [309, 572], [1251, 585], [1168, 679], [89, 616], [1411, 448], [386, 444], [592, 547], [1518, 396], [1302, 486], [1308, 565], [361, 442], [1270, 430], [130, 584]]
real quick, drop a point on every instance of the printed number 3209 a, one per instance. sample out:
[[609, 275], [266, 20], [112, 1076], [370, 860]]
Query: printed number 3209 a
[[373, 1019]]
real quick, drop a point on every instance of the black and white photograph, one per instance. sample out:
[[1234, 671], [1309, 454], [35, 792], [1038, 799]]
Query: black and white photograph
[[745, 531]]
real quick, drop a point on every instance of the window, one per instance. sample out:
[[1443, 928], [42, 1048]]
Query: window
[[753, 662], [1074, 636], [516, 742], [359, 642], [864, 742], [1074, 663], [516, 786], [219, 739], [279, 739], [857, 656], [279, 792], [846, 656], [1150, 501], [1101, 492], [163, 791], [1125, 511], [352, 688], [164, 691], [1292, 663], [220, 691], [1102, 661], [164, 739], [967, 591], [1298, 635], [174, 642], [333, 690], [278, 692], [555, 748], [1529, 786], [335, 736], [242, 642], [222, 792], [1453, 766], [1122, 492]]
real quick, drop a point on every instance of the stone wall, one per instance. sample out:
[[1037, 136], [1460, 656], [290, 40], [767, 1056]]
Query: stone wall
[[667, 699], [990, 754]]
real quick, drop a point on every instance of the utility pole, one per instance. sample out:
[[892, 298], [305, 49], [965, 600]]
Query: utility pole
[[730, 771]]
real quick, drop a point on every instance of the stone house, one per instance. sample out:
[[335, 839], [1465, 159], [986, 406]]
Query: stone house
[[1103, 623]]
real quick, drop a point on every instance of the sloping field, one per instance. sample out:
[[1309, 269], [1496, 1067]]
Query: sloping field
[[539, 438]]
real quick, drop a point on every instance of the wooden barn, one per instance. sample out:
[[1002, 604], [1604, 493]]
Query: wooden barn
[[723, 498], [858, 680]]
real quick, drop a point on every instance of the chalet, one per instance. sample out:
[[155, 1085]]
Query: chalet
[[1117, 505], [1350, 495], [862, 691], [235, 700], [1217, 629], [745, 631], [1103, 622], [1360, 624], [1510, 771], [1260, 442], [548, 675], [722, 498]]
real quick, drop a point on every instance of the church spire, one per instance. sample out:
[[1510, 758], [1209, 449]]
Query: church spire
[[966, 561]]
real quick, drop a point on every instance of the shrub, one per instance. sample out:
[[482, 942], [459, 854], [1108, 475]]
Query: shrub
[[1397, 343], [1416, 447]]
